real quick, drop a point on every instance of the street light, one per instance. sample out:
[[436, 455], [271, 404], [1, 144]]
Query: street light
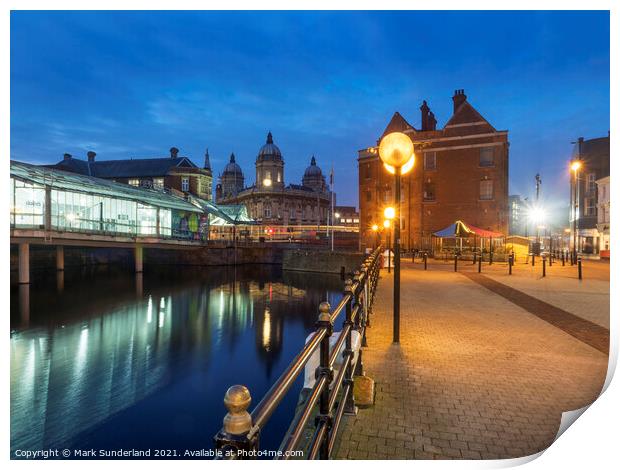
[[388, 237], [575, 166], [397, 154], [375, 228]]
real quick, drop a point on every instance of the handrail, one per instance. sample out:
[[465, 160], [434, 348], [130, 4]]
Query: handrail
[[241, 429]]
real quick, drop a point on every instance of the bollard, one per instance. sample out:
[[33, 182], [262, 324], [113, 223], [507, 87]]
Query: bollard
[[533, 259], [412, 257], [237, 423], [474, 258], [456, 260], [579, 267], [544, 261], [490, 257], [563, 258], [550, 259], [425, 260], [480, 263], [510, 261]]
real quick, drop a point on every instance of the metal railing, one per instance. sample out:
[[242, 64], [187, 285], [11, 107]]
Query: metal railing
[[239, 436]]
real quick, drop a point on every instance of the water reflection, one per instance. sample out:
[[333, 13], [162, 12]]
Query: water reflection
[[112, 358]]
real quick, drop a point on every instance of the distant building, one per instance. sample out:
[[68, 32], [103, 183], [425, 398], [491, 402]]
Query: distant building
[[269, 200], [603, 215], [174, 173], [594, 157], [460, 173], [347, 216], [516, 215]]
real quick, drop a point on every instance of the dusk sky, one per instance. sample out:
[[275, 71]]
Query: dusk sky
[[134, 84]]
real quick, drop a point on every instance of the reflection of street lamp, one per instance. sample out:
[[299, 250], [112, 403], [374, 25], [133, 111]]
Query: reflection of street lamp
[[375, 228], [575, 166], [396, 152]]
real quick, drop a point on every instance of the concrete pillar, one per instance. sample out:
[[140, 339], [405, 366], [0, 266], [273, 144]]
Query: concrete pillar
[[24, 305], [139, 285], [60, 258], [139, 258], [24, 263]]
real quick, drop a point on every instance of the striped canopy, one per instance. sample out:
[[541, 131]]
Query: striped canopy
[[462, 229]]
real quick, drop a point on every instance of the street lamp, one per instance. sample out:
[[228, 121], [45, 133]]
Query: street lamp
[[388, 237], [575, 166], [375, 228], [397, 153]]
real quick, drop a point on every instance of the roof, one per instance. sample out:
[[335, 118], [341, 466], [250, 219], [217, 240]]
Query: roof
[[397, 124], [466, 113], [462, 229], [593, 147], [59, 179], [124, 168]]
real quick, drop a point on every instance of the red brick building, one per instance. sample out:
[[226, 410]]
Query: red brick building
[[460, 172]]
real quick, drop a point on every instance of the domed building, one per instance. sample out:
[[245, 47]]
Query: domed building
[[231, 180], [270, 200]]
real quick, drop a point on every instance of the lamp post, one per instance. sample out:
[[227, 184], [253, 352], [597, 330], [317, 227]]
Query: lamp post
[[396, 152], [375, 228], [388, 237], [575, 166]]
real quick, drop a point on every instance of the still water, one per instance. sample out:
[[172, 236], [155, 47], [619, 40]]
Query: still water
[[105, 359]]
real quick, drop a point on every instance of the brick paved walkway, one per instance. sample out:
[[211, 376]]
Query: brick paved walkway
[[475, 375]]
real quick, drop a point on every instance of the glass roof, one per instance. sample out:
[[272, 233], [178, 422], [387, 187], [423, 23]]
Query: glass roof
[[88, 184]]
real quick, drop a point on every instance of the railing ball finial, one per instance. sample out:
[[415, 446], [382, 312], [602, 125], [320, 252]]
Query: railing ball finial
[[324, 312], [237, 400], [356, 275], [348, 285]]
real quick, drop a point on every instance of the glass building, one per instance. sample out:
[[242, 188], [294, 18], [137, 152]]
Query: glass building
[[48, 199]]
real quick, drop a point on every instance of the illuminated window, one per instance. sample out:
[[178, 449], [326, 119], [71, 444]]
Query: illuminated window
[[486, 156], [486, 190], [134, 182], [590, 206], [279, 177], [267, 213], [430, 161], [158, 183], [185, 184]]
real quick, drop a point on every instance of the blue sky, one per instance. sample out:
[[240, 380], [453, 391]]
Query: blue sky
[[133, 84]]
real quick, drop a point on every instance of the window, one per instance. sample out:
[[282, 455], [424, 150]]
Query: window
[[293, 213], [430, 161], [486, 190], [368, 196], [267, 212], [387, 196], [486, 156], [158, 183], [279, 177], [429, 190], [185, 184], [591, 182], [590, 208], [27, 204], [134, 182], [367, 172]]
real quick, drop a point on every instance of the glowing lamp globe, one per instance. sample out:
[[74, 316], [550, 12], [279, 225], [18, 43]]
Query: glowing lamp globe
[[395, 150], [375, 227], [575, 165], [389, 213], [386, 223]]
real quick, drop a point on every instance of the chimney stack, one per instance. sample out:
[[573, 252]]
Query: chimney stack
[[459, 98], [425, 110], [432, 122], [67, 156], [174, 152], [91, 156]]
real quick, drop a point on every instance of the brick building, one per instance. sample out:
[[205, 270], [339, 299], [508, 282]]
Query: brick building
[[173, 173], [460, 172]]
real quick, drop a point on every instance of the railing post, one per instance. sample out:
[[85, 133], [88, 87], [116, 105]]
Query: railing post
[[324, 370], [350, 407], [544, 265], [359, 323], [474, 261], [579, 267], [237, 424], [480, 263], [366, 270], [425, 260]]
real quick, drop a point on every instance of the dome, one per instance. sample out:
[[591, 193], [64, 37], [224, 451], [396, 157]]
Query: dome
[[313, 169], [269, 151], [232, 167]]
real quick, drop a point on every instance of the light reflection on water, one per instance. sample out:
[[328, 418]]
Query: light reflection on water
[[109, 360]]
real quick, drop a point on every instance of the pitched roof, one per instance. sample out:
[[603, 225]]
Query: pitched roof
[[397, 124], [466, 113], [123, 168]]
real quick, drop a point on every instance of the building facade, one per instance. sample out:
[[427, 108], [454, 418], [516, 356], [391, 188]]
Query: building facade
[[346, 216], [603, 216], [460, 173], [594, 157], [516, 215], [270, 201], [175, 173]]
